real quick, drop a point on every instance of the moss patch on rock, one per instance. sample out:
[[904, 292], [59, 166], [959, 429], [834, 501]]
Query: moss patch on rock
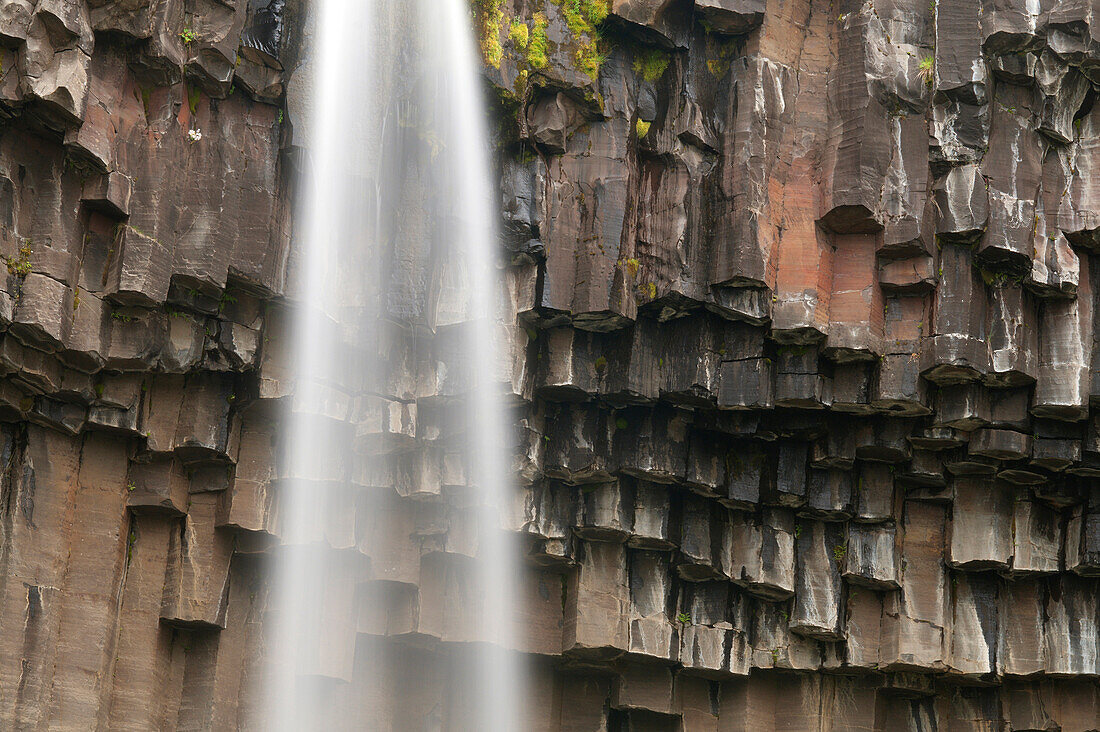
[[489, 21], [539, 44], [583, 18], [519, 33], [651, 63]]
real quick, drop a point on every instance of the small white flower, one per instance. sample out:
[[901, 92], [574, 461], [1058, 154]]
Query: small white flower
[[194, 135]]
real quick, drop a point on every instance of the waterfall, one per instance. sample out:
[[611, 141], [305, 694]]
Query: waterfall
[[394, 408]]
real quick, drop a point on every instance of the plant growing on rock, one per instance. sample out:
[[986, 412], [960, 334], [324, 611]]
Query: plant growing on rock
[[519, 33], [539, 43], [684, 618], [188, 36], [651, 63], [193, 98], [719, 54], [583, 17], [925, 70], [589, 60], [489, 22], [641, 128], [21, 266]]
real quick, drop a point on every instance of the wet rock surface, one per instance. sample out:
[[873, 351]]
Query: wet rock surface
[[800, 346]]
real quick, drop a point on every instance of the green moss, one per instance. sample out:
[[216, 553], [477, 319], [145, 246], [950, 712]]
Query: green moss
[[641, 128], [21, 266], [526, 155], [519, 34], [145, 94], [719, 54], [489, 21], [1000, 279], [589, 61], [193, 100], [651, 63], [583, 17], [595, 10], [539, 43]]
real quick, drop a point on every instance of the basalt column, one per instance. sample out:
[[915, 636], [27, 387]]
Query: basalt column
[[807, 296], [800, 312]]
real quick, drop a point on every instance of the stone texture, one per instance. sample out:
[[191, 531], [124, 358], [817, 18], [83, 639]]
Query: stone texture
[[802, 358]]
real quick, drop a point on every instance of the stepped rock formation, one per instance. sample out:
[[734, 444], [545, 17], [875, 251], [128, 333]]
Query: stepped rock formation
[[803, 354]]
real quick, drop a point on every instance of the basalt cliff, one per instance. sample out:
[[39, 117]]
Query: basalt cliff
[[802, 349]]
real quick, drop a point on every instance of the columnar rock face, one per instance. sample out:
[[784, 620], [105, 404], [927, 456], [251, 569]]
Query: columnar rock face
[[799, 341], [808, 291], [144, 231]]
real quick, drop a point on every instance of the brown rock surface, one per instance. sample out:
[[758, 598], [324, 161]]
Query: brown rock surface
[[803, 357]]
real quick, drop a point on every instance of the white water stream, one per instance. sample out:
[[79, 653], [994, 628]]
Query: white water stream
[[395, 264]]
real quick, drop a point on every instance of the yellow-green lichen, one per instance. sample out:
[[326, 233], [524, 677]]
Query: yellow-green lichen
[[641, 128], [650, 64]]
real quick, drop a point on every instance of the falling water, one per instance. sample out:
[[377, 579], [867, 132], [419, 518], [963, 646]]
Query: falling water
[[393, 326]]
